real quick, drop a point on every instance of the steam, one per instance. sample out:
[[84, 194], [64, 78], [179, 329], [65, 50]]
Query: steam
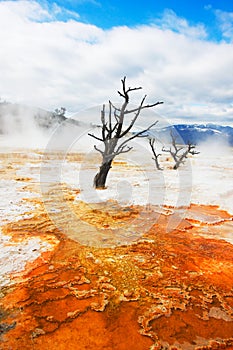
[[213, 148], [19, 128]]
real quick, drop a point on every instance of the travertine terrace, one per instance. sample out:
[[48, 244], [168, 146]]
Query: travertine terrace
[[120, 280]]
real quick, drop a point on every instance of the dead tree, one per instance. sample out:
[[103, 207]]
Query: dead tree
[[156, 155], [179, 154], [114, 136], [60, 112]]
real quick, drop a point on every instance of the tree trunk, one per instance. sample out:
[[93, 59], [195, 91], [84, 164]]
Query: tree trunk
[[157, 162], [180, 160], [101, 176]]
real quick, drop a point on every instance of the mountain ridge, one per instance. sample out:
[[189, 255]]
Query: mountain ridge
[[198, 133]]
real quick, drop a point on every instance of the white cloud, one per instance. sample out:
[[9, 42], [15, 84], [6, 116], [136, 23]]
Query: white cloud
[[171, 21], [24, 10], [49, 63], [225, 20]]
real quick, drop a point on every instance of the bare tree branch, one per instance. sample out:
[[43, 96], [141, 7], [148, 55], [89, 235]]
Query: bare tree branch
[[99, 150], [123, 149], [135, 118], [147, 106], [125, 93], [110, 118], [178, 157], [138, 134], [156, 156], [166, 150], [191, 149], [103, 123], [95, 137], [114, 107]]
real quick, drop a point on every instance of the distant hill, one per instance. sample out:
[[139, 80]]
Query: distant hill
[[17, 117], [196, 133]]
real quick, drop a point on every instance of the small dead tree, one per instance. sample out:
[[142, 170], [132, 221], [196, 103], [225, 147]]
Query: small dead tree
[[60, 112], [179, 154], [156, 155], [114, 136]]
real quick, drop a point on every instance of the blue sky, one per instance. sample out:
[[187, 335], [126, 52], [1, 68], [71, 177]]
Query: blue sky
[[74, 53], [106, 14], [120, 12]]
